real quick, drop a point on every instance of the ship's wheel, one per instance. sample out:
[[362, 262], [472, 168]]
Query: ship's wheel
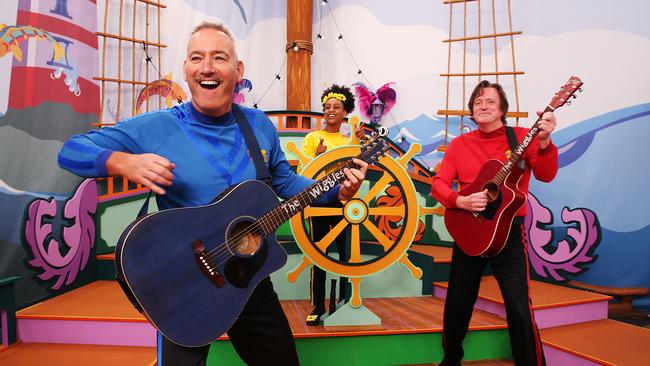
[[361, 214]]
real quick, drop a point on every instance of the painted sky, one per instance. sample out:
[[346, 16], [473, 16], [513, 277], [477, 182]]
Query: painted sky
[[541, 18]]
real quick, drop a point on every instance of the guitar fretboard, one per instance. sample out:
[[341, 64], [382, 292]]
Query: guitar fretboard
[[560, 98], [288, 208], [516, 155]]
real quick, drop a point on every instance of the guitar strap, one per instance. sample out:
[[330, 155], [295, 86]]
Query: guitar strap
[[512, 141], [261, 170]]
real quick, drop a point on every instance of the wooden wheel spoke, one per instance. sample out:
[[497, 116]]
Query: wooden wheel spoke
[[388, 210], [381, 238], [355, 245], [331, 236], [381, 183], [322, 211]]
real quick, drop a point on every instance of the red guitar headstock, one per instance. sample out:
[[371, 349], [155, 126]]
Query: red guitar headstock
[[566, 91]]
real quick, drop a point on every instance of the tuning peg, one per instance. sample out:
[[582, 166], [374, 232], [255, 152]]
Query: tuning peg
[[574, 96], [580, 89], [568, 102]]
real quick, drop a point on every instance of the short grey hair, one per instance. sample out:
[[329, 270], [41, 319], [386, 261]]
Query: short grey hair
[[220, 27]]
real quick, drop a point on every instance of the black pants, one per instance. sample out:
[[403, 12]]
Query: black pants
[[261, 335], [510, 268], [321, 226]]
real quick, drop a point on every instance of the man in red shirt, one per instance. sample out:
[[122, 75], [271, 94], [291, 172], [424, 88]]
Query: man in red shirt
[[463, 159]]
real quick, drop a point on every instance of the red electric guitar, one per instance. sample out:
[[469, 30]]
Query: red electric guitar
[[485, 233]]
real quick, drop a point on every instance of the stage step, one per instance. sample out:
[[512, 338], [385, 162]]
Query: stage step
[[553, 305], [439, 254], [38, 354], [601, 342], [98, 313], [98, 317]]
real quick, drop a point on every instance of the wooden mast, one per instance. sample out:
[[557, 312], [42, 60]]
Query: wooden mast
[[299, 24]]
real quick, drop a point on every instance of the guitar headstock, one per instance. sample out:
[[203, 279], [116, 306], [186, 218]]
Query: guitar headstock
[[567, 91], [374, 148]]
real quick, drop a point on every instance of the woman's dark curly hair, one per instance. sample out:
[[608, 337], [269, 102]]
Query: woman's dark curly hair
[[348, 103]]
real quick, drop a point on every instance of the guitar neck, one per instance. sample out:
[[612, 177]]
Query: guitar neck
[[516, 155], [287, 209]]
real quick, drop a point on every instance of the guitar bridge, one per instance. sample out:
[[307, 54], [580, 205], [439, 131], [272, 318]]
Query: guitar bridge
[[209, 270]]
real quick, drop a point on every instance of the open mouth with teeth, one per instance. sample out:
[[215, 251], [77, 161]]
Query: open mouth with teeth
[[209, 84]]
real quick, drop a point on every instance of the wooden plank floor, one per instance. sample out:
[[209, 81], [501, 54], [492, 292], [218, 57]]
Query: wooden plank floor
[[39, 354], [401, 315]]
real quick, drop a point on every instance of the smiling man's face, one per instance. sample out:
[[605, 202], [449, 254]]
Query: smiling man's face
[[211, 70], [487, 110]]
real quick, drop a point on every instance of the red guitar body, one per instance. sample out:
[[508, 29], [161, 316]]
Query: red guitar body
[[485, 233]]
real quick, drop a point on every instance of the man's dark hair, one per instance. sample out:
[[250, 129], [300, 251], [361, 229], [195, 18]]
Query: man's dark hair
[[478, 90], [348, 104]]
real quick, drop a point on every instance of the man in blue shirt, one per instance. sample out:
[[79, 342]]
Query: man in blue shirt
[[189, 154]]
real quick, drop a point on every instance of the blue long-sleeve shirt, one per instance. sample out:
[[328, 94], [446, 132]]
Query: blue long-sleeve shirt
[[210, 153]]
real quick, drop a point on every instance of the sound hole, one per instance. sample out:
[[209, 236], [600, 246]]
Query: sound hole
[[243, 240], [492, 191], [493, 207]]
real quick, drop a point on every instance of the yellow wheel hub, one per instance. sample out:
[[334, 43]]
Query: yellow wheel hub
[[355, 211]]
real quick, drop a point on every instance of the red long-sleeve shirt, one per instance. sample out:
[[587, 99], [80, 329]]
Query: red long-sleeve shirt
[[467, 153]]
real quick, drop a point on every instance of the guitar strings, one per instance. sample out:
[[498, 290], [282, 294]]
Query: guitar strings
[[257, 225]]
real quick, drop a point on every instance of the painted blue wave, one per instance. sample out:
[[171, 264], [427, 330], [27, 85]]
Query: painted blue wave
[[603, 167], [575, 140]]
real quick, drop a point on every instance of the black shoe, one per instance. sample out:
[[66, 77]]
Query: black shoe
[[314, 317]]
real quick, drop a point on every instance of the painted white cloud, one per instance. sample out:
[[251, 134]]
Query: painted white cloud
[[613, 66]]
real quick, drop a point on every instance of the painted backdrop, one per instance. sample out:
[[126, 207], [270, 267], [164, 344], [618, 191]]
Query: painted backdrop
[[589, 224]]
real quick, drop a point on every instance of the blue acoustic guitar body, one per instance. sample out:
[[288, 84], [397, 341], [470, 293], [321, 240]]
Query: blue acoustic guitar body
[[191, 270]]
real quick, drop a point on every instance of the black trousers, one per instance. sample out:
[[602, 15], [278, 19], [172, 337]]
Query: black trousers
[[261, 335], [510, 268], [320, 226]]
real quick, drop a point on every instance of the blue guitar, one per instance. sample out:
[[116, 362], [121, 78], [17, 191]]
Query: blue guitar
[[191, 270]]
